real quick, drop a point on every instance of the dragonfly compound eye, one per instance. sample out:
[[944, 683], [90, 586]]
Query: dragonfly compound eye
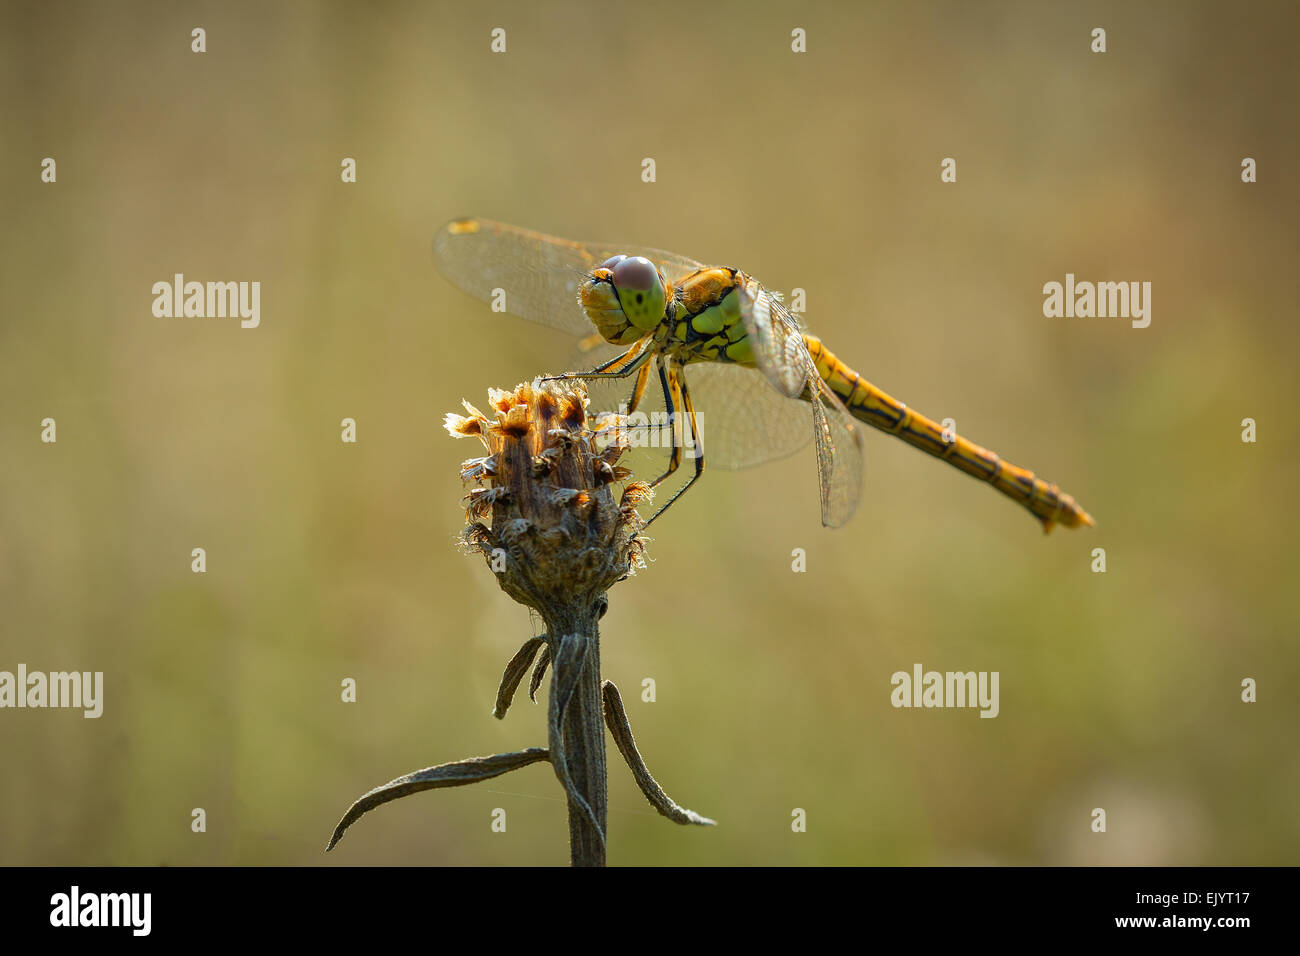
[[640, 291], [611, 262]]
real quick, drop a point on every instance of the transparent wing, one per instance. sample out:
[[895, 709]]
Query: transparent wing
[[839, 454], [782, 355], [775, 338], [743, 421], [539, 274]]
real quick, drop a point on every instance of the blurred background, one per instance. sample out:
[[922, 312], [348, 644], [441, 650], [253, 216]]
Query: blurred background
[[819, 170]]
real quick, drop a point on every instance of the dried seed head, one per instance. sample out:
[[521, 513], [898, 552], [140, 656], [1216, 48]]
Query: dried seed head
[[545, 497]]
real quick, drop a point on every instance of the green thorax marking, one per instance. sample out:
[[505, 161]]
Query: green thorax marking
[[704, 319]]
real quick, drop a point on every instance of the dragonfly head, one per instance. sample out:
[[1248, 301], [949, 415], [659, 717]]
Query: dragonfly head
[[625, 297]]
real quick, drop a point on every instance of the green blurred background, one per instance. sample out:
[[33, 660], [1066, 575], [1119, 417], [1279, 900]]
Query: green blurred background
[[326, 560]]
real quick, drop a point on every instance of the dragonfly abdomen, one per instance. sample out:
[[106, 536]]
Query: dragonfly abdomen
[[884, 412]]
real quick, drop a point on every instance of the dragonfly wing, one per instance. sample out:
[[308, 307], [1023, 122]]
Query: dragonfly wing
[[742, 420], [839, 453], [539, 275], [775, 338]]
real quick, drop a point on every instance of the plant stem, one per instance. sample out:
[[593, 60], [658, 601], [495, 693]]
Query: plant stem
[[581, 725]]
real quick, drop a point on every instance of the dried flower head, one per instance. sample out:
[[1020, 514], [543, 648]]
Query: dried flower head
[[544, 516], [543, 512]]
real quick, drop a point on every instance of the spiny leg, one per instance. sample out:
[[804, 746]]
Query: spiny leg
[[668, 383], [622, 365], [635, 359], [638, 388], [678, 379]]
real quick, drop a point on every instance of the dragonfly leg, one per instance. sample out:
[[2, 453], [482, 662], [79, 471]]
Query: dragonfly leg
[[677, 379], [638, 389], [669, 383], [636, 359], [620, 366]]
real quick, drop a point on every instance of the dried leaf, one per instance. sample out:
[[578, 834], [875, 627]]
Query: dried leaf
[[456, 774], [538, 673], [621, 731], [514, 673]]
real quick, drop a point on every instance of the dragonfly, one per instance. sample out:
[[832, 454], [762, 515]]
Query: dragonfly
[[716, 340]]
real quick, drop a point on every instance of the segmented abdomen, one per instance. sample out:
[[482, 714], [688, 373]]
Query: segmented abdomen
[[869, 404]]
